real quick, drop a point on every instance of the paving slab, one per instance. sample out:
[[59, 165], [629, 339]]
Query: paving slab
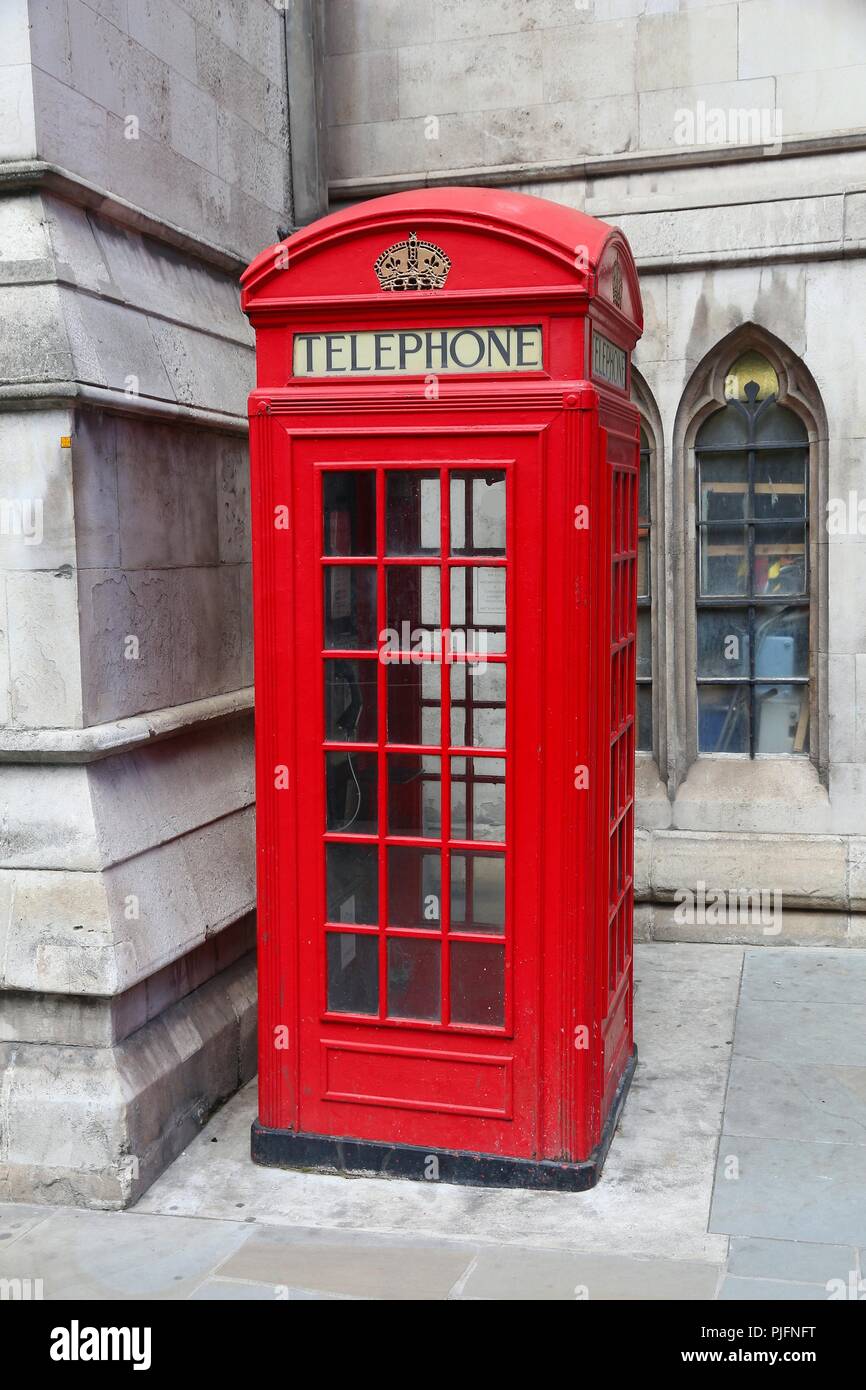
[[17, 1218], [795, 1100], [532, 1275], [769, 1291], [233, 1291], [119, 1255], [819, 1033], [794, 1261], [789, 1190], [359, 1264], [807, 976]]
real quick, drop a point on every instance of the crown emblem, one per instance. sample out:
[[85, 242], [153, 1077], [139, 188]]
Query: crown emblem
[[413, 265], [616, 283]]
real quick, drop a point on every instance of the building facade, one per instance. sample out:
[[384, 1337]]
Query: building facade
[[148, 149]]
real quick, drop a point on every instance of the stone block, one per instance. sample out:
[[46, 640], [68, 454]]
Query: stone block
[[166, 489], [457, 19], [36, 519], [95, 1126], [167, 30], [72, 129], [17, 115], [193, 122], [44, 656], [787, 36], [589, 60], [685, 50], [127, 641], [468, 76], [362, 87], [354, 26]]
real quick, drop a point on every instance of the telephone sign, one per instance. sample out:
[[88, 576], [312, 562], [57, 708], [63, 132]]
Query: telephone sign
[[445, 673]]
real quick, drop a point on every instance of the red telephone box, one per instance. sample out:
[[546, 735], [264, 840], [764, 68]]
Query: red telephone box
[[445, 472]]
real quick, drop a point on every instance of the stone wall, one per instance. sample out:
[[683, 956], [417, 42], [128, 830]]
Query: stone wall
[[143, 161]]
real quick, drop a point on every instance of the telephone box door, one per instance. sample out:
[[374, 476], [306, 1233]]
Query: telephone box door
[[417, 716]]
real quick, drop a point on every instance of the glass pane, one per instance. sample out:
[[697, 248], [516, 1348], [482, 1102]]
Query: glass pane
[[353, 883], [751, 367], [643, 581], [350, 607], [414, 795], [413, 702], [781, 718], [778, 425], [643, 487], [724, 488], [413, 979], [412, 513], [726, 426], [478, 513], [353, 973], [350, 786], [724, 560], [477, 983], [644, 643], [478, 798], [478, 892], [782, 643], [414, 887], [780, 560], [723, 718], [350, 700], [349, 502], [478, 704], [413, 607], [780, 486], [645, 718], [478, 609], [723, 642]]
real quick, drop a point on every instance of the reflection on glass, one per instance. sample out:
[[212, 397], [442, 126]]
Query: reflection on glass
[[478, 798], [478, 892], [780, 485], [478, 705], [350, 607], [414, 795], [413, 608], [645, 718], [723, 718], [413, 702], [412, 513], [643, 567], [644, 643], [782, 643], [478, 513], [723, 642], [478, 608], [780, 560], [724, 487], [349, 503], [414, 887], [477, 983], [724, 561], [350, 700], [413, 979], [352, 883], [350, 787], [353, 973], [781, 718]]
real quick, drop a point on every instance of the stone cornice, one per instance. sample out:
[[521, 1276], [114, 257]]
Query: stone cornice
[[121, 735]]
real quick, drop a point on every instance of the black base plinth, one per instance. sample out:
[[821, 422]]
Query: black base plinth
[[320, 1153]]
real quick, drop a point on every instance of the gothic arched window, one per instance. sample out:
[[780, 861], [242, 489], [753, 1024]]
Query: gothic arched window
[[752, 588]]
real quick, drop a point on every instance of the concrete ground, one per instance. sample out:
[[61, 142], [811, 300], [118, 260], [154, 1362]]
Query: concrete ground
[[737, 1172]]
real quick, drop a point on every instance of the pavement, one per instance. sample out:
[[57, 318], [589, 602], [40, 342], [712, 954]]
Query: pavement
[[738, 1172]]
